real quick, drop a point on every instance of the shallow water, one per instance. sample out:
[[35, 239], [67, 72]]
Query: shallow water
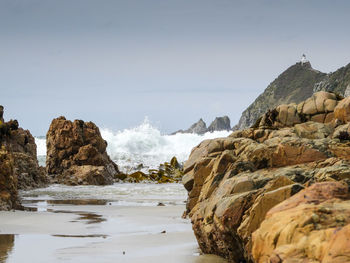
[[118, 223]]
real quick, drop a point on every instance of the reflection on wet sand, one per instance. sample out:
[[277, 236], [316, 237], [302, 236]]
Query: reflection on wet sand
[[82, 236], [6, 246], [88, 217], [70, 202]]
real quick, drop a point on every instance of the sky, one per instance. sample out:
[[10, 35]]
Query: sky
[[174, 61]]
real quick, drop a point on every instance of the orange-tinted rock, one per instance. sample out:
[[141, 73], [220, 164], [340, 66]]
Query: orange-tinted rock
[[342, 110], [305, 227], [76, 149], [8, 182]]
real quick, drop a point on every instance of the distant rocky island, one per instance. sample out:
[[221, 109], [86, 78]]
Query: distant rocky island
[[200, 127]]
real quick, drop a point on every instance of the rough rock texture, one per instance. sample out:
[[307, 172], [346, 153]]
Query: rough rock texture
[[76, 154], [8, 182], [21, 144], [294, 85], [311, 226], [320, 107], [233, 182], [220, 124]]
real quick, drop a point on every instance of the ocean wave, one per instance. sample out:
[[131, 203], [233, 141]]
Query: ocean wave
[[145, 145]]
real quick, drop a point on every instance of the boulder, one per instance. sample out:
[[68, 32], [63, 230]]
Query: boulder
[[76, 154], [220, 124], [342, 110]]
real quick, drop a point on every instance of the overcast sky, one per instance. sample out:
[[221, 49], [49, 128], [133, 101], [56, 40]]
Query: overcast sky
[[115, 62]]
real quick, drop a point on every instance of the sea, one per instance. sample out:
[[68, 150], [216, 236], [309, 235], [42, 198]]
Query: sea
[[123, 222], [143, 147]]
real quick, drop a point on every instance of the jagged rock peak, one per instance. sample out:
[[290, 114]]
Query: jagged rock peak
[[200, 127], [220, 124]]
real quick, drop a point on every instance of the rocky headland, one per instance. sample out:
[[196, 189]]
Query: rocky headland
[[294, 85], [278, 191]]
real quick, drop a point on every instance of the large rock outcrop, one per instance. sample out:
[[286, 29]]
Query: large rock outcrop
[[19, 168], [233, 182], [76, 154], [294, 85]]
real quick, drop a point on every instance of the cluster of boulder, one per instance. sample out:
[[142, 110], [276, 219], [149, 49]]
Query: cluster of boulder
[[200, 127], [278, 191]]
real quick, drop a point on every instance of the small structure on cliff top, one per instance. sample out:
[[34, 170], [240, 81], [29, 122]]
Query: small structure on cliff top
[[303, 59]]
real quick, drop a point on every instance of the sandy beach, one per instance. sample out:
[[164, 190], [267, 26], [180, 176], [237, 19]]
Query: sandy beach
[[77, 231]]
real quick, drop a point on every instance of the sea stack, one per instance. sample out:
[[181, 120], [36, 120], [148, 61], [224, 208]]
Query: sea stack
[[76, 154]]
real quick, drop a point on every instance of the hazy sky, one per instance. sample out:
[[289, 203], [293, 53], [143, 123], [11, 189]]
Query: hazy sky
[[115, 62]]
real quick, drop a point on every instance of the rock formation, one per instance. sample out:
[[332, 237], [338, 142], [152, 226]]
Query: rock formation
[[294, 85], [76, 154], [220, 124], [8, 182], [234, 182], [19, 167], [200, 127]]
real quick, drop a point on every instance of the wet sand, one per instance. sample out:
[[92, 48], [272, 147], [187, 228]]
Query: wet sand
[[99, 233]]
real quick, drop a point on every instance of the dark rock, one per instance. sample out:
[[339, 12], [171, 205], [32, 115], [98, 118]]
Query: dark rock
[[220, 124]]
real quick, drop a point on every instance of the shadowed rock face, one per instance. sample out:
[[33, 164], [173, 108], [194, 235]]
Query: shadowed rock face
[[76, 154], [233, 182], [220, 124]]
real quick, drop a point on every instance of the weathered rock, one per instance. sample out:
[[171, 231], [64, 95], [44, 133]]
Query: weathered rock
[[342, 110], [313, 130], [220, 124], [311, 226], [21, 144], [76, 154], [319, 108], [233, 182], [8, 182]]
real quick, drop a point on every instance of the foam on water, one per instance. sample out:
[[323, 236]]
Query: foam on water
[[146, 145], [122, 194]]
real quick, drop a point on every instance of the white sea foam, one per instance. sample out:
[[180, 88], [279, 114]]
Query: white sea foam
[[146, 145]]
